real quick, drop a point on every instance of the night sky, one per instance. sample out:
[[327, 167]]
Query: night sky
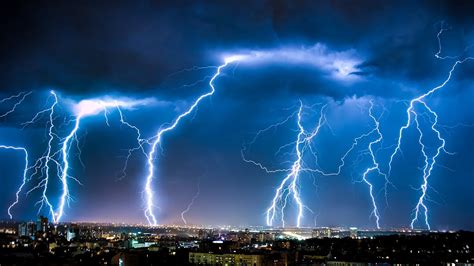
[[344, 54]]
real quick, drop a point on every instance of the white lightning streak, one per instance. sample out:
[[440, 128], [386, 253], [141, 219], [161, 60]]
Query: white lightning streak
[[289, 185], [429, 162], [375, 166], [21, 95], [149, 193], [191, 203], [24, 178]]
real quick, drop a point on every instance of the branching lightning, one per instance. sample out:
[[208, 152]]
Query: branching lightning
[[59, 157], [24, 177], [149, 193], [44, 161], [429, 159], [140, 142], [84, 109], [64, 174], [289, 185], [375, 166], [20, 96]]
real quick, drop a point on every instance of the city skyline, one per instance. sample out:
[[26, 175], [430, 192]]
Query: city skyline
[[312, 115]]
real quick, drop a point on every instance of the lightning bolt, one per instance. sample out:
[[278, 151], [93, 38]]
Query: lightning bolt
[[289, 185], [292, 179], [24, 178], [88, 108], [375, 165], [191, 203], [64, 174], [48, 157], [43, 164], [429, 160], [20, 96], [140, 143], [149, 193], [254, 139]]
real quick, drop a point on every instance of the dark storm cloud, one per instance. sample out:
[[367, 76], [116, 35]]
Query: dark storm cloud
[[91, 47], [397, 38]]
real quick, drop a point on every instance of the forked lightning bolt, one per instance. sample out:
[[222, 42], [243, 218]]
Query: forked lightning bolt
[[21, 97], [374, 165], [43, 163], [429, 159], [289, 185], [85, 109]]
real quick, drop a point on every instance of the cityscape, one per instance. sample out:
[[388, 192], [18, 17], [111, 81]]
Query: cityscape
[[228, 133], [40, 242]]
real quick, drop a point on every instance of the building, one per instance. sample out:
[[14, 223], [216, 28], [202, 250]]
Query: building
[[321, 232], [42, 224], [27, 229], [23, 229], [226, 259]]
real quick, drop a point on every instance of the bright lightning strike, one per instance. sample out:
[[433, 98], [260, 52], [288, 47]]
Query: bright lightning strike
[[149, 193], [191, 203], [24, 177], [85, 109], [21, 97], [374, 166], [140, 142], [289, 185], [47, 158], [429, 160], [43, 164]]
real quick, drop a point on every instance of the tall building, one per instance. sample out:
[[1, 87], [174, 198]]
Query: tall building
[[23, 229], [27, 229], [42, 224]]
